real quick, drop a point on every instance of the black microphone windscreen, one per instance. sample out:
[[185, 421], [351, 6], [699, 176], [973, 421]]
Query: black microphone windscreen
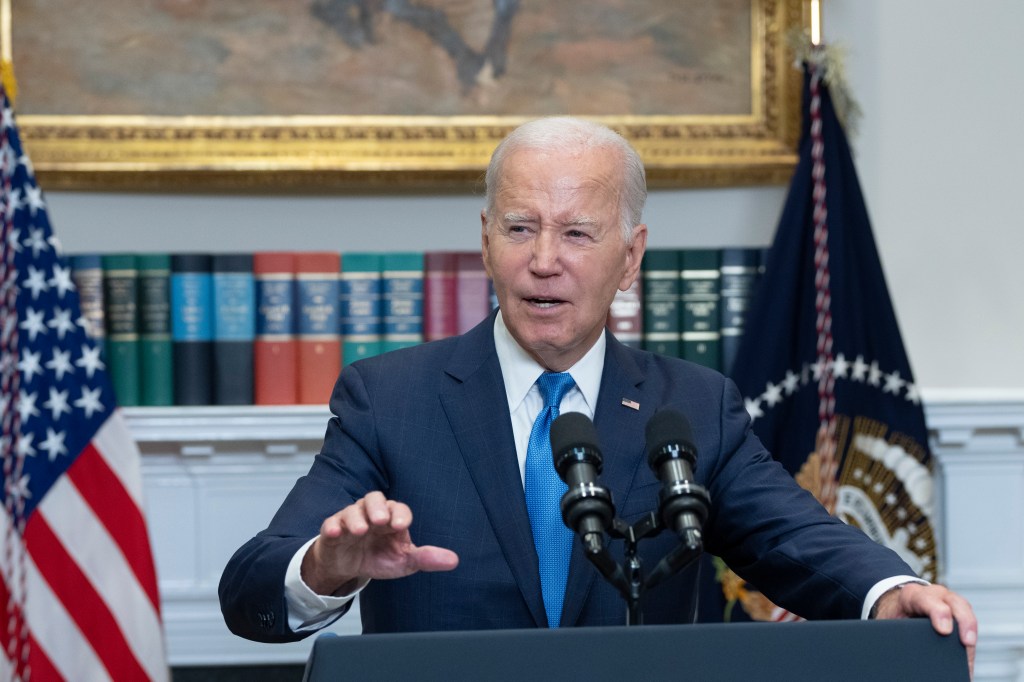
[[669, 427], [573, 430]]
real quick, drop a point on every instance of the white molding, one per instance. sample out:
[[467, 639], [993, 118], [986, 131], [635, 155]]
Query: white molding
[[217, 424], [955, 416]]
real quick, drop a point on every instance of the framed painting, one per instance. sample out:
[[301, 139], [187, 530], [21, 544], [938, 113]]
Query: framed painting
[[406, 95]]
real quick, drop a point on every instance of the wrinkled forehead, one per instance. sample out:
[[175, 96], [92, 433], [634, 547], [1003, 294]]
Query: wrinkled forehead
[[566, 172]]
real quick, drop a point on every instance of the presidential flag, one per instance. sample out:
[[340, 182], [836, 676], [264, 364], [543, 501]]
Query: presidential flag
[[76, 570], [822, 366]]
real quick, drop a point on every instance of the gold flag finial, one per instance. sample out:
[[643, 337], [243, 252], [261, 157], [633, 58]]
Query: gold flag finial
[[808, 46], [6, 54]]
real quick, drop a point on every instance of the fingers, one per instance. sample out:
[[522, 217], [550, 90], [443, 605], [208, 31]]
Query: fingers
[[373, 511], [432, 559], [966, 621], [942, 606]]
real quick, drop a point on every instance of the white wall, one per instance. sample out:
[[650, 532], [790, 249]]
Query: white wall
[[938, 150], [939, 157]]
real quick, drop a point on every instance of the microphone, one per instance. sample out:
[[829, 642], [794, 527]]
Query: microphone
[[672, 455], [587, 507]]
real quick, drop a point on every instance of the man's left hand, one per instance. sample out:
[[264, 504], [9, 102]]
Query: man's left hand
[[940, 605]]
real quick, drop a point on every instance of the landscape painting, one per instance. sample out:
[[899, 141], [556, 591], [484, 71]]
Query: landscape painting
[[388, 91]]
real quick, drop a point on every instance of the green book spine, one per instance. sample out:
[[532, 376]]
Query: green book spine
[[402, 281], [121, 302], [155, 350], [361, 319], [701, 281], [662, 287]]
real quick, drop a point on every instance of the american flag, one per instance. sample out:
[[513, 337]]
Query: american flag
[[77, 575]]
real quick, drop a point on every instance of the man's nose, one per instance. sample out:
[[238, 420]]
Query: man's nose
[[546, 254]]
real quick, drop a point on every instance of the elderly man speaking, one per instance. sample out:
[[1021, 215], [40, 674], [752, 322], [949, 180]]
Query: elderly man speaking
[[432, 495]]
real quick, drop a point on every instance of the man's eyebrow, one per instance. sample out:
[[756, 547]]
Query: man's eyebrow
[[580, 220], [516, 218], [512, 217]]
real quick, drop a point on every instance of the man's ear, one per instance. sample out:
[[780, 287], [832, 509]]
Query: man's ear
[[634, 256], [485, 242]]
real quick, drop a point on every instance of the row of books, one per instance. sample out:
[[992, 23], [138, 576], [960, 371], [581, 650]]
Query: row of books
[[272, 328], [266, 328], [690, 303]]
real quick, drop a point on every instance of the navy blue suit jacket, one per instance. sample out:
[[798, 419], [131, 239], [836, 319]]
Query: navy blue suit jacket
[[429, 426]]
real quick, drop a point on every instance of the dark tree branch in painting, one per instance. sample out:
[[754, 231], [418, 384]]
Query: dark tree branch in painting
[[352, 20]]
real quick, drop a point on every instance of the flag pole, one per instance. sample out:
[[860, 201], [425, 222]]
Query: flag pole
[[815, 22]]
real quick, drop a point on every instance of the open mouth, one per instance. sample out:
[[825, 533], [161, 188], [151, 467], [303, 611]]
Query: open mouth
[[544, 302]]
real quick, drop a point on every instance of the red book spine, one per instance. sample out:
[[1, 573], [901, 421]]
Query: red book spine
[[440, 301], [474, 290], [275, 359], [318, 301]]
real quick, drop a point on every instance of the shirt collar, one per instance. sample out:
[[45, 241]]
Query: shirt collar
[[520, 371]]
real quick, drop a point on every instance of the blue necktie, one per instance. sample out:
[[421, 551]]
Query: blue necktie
[[544, 491]]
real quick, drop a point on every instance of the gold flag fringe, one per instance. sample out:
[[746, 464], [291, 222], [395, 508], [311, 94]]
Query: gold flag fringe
[[832, 61]]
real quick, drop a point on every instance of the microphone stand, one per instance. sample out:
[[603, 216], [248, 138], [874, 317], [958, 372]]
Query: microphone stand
[[629, 579], [587, 506]]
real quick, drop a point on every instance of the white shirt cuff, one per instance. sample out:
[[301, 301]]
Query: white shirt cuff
[[884, 586], [307, 610]]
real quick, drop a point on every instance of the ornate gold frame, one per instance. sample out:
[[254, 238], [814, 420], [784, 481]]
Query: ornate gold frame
[[385, 153]]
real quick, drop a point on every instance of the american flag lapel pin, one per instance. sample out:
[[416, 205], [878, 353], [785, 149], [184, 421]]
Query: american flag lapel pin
[[632, 404]]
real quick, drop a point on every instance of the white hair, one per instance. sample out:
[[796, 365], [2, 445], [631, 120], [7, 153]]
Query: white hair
[[565, 133]]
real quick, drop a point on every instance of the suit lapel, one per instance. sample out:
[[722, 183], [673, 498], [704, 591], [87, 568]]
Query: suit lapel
[[475, 404], [620, 430]]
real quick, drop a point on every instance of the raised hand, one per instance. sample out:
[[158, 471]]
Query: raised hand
[[367, 540]]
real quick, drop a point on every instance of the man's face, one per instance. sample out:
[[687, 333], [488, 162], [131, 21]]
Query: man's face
[[555, 250]]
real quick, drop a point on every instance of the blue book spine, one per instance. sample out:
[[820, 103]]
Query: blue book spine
[[402, 283], [192, 328], [234, 328], [739, 275]]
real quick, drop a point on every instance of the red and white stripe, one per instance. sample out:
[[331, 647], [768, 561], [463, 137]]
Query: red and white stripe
[[90, 594], [16, 640]]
